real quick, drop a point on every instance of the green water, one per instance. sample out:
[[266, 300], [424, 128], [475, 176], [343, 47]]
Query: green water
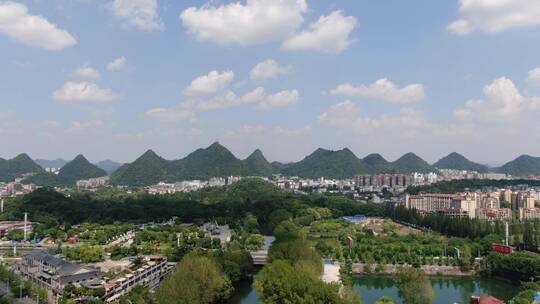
[[447, 290]]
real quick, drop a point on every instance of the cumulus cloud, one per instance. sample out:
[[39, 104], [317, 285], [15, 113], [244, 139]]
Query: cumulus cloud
[[84, 93], [534, 77], [171, 115], [86, 71], [119, 64], [141, 14], [329, 34], [210, 83], [32, 30], [382, 89], [269, 69], [495, 15], [257, 97], [502, 102], [256, 21]]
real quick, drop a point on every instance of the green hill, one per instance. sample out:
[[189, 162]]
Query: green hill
[[256, 164], [78, 169], [148, 169], [457, 161], [214, 161], [524, 165], [15, 167], [376, 163], [410, 163], [330, 164]]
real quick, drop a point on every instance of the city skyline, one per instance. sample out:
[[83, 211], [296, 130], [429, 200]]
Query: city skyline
[[154, 74]]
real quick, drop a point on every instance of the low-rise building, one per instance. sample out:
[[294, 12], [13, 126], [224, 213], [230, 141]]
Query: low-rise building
[[7, 226], [54, 273], [149, 272], [494, 214]]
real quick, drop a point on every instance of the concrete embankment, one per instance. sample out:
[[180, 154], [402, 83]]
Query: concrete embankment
[[431, 270]]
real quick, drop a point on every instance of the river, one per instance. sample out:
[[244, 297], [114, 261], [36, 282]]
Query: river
[[447, 290]]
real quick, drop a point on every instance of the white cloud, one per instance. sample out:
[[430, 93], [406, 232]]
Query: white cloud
[[32, 30], [279, 100], [256, 21], [269, 69], [383, 89], [84, 92], [503, 102], [119, 64], [347, 115], [86, 71], [171, 115], [330, 34], [533, 77], [141, 14], [256, 97], [495, 15], [210, 83]]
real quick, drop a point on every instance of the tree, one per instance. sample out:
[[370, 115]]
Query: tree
[[15, 235], [237, 264], [414, 287], [280, 282], [385, 300], [251, 224], [197, 280]]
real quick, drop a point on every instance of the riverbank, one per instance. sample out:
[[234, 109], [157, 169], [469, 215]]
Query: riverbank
[[430, 270]]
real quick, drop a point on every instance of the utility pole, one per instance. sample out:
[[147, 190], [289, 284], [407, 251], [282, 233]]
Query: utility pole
[[506, 233], [25, 226], [2, 206]]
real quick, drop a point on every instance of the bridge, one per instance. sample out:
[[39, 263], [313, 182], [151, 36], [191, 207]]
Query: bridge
[[260, 257]]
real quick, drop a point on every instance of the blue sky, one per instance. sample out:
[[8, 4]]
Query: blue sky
[[113, 78]]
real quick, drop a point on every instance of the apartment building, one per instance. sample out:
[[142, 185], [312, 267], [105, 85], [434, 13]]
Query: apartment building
[[381, 180], [529, 213], [450, 204]]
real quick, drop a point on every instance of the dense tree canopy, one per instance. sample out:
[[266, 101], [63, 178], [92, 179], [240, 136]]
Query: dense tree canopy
[[197, 280]]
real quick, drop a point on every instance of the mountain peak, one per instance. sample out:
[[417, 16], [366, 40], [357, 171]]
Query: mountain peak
[[409, 155], [78, 169], [256, 154], [374, 158], [149, 154], [523, 165], [215, 145], [256, 164], [80, 157], [409, 163], [15, 167], [457, 161], [23, 157]]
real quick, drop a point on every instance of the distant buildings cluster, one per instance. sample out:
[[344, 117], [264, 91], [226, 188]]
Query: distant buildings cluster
[[193, 185], [451, 174], [92, 183], [15, 188], [494, 204]]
